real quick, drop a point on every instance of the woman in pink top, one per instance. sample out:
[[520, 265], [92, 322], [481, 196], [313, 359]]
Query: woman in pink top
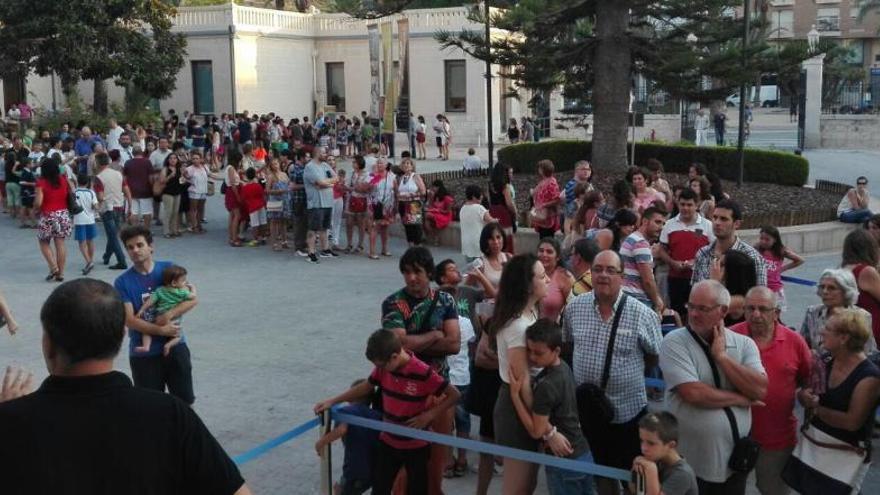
[[775, 253], [644, 194], [561, 280]]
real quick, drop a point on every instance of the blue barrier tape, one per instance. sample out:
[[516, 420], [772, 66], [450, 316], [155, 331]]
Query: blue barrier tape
[[655, 383], [265, 447], [799, 281], [487, 448]]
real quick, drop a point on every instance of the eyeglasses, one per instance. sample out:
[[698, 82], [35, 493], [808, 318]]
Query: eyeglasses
[[607, 270], [828, 287], [701, 309], [861, 183], [762, 309]]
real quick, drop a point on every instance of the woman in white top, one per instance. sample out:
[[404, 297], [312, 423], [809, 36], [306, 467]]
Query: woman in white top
[[197, 175], [410, 192], [381, 205], [523, 285], [232, 197]]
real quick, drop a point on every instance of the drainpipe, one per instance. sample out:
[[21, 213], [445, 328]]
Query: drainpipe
[[232, 66], [314, 81]]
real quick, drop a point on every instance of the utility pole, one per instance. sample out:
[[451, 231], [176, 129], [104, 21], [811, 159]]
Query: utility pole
[[742, 95], [489, 115]]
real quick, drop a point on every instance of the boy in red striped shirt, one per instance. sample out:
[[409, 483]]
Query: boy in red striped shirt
[[406, 383]]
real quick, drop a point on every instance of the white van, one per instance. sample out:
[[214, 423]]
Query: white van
[[769, 97]]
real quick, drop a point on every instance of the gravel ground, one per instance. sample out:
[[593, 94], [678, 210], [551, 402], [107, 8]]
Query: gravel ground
[[755, 197]]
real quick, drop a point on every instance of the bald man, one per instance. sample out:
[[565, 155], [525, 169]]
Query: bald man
[[787, 360]]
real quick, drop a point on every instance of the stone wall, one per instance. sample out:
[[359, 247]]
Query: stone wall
[[851, 131]]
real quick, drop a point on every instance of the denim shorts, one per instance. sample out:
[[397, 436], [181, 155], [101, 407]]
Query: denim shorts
[[564, 482]]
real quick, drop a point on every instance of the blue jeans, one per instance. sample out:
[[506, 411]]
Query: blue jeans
[[111, 220], [856, 216], [564, 482], [462, 417]]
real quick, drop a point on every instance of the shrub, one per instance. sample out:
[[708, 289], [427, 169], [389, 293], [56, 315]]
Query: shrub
[[774, 167]]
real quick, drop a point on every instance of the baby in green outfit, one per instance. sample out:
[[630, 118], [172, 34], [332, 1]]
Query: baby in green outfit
[[174, 290]]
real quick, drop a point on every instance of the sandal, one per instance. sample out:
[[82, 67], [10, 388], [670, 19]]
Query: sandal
[[348, 249], [360, 249], [59, 277], [235, 243], [386, 253], [374, 256], [51, 276]]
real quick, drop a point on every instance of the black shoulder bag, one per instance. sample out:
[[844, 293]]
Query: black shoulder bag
[[745, 449], [594, 408]]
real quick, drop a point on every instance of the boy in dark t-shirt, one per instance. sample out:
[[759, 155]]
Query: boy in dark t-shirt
[[360, 446], [553, 417], [663, 469]]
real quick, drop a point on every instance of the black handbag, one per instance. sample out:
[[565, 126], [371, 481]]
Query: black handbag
[[595, 410], [745, 449], [73, 206]]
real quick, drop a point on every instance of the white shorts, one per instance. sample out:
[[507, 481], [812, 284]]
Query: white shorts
[[197, 196], [141, 206], [258, 217]]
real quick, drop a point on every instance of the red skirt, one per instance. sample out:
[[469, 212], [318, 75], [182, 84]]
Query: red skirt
[[231, 199]]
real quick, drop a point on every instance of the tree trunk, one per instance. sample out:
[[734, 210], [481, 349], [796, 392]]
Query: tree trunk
[[611, 88], [99, 100]]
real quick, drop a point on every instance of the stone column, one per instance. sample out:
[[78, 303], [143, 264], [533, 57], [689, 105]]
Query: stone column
[[813, 111]]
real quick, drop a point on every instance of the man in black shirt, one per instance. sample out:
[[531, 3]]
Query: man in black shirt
[[88, 430]]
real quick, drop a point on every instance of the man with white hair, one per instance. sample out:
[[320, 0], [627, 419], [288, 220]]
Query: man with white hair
[[713, 378], [787, 361]]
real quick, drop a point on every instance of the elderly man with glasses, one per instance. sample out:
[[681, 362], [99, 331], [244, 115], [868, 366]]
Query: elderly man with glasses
[[787, 361], [590, 322], [713, 378]]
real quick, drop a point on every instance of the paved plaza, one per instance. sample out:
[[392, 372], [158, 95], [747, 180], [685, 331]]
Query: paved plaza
[[273, 334]]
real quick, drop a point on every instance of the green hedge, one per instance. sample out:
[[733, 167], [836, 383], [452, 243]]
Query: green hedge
[[760, 165]]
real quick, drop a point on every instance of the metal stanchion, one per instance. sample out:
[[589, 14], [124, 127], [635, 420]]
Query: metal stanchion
[[326, 455]]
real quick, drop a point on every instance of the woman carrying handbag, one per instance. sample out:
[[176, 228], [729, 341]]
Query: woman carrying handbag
[[834, 449]]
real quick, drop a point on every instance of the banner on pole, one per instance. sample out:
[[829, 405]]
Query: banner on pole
[[402, 104], [375, 91], [390, 79]]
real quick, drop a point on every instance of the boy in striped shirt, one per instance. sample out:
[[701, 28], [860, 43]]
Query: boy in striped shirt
[[406, 384]]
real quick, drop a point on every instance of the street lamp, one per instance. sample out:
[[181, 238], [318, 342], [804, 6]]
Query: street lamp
[[813, 39]]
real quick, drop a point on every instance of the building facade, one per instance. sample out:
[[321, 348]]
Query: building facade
[[296, 64]]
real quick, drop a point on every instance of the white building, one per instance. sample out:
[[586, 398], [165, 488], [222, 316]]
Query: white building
[[261, 60]]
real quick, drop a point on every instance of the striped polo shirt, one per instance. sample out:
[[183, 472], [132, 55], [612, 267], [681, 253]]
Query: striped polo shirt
[[405, 394]]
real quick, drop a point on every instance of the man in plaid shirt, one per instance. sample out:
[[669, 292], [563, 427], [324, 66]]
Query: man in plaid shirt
[[587, 326], [725, 221]]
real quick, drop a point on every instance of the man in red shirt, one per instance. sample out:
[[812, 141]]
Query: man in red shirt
[[787, 361], [137, 172], [680, 239]]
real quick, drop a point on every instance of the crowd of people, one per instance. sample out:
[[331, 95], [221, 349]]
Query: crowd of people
[[550, 349]]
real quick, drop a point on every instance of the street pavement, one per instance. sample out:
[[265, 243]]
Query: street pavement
[[271, 336]]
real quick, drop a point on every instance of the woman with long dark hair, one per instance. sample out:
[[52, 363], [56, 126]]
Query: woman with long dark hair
[[55, 226], [502, 205], [523, 285], [622, 225], [621, 198], [860, 257]]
